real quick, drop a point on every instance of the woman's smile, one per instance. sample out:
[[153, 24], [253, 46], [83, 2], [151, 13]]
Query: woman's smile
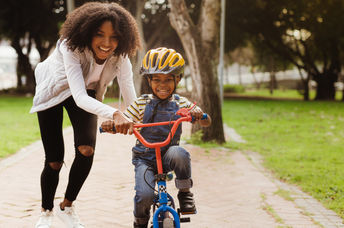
[[104, 42]]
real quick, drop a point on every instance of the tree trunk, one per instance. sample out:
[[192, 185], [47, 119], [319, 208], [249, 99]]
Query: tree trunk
[[306, 89], [325, 86], [273, 82], [24, 68], [136, 61], [201, 47]]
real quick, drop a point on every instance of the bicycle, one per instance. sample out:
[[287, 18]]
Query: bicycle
[[164, 205]]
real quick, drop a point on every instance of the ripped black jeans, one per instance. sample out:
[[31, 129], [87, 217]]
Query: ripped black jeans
[[85, 131]]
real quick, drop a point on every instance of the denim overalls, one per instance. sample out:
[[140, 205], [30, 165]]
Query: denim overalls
[[173, 156]]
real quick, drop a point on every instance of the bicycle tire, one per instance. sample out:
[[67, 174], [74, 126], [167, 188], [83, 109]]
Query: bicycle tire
[[168, 223]]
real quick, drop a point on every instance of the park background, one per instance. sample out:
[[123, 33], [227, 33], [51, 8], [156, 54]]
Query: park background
[[271, 70]]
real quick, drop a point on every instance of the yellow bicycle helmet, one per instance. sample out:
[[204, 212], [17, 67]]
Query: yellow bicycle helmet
[[162, 61]]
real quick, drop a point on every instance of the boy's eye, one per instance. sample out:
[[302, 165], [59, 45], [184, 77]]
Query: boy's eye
[[167, 81], [156, 80]]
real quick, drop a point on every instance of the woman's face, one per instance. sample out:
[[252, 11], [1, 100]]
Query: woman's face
[[104, 42]]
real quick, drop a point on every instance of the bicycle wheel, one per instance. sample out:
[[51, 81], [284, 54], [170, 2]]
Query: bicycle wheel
[[168, 223]]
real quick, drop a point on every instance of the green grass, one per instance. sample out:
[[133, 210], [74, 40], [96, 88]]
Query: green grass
[[301, 142], [291, 94], [19, 128]]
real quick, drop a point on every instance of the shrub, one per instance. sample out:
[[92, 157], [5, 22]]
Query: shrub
[[233, 88]]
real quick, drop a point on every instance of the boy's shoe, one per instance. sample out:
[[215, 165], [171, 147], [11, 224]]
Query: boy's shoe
[[69, 217], [45, 219], [186, 203]]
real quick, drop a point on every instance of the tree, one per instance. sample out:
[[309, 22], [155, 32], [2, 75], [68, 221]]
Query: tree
[[27, 24], [305, 33], [200, 42], [155, 31]]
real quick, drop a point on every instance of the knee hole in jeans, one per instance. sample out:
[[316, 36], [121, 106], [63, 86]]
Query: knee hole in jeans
[[55, 165], [86, 150]]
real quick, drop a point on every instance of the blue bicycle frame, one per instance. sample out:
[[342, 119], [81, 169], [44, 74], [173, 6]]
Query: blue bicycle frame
[[163, 200], [161, 177]]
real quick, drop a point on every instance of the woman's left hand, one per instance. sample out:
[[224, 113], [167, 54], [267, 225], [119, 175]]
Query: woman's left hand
[[107, 126]]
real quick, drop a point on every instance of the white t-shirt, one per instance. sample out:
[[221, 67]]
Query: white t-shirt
[[94, 75], [61, 75]]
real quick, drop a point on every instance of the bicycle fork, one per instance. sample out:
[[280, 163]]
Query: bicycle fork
[[163, 200]]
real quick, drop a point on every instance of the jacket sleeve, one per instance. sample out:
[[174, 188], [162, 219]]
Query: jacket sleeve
[[77, 86], [126, 83]]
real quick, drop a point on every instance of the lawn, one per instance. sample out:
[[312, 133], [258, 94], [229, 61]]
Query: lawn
[[301, 142], [19, 128], [291, 94]]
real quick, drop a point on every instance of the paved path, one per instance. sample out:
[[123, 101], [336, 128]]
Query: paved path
[[231, 190]]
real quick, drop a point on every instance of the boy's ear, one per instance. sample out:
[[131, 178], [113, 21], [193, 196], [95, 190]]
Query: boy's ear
[[149, 80], [178, 78]]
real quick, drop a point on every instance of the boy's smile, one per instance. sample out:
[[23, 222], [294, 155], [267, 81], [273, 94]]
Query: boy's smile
[[163, 85]]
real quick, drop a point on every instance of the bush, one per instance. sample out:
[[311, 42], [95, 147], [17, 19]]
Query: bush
[[233, 89]]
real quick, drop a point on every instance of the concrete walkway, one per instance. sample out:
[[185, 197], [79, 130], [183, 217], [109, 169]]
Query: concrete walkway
[[231, 190]]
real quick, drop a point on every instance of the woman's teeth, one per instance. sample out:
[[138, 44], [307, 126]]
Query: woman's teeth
[[104, 49]]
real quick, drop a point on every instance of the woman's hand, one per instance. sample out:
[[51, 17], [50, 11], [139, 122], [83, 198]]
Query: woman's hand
[[122, 123], [107, 126]]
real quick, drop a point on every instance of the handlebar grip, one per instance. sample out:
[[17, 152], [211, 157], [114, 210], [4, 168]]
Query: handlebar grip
[[102, 131], [204, 117]]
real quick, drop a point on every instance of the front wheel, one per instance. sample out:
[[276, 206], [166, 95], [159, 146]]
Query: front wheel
[[168, 223]]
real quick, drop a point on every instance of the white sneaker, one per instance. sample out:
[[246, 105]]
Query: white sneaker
[[69, 217], [45, 219]]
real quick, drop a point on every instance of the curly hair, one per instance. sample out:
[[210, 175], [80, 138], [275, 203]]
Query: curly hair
[[82, 24]]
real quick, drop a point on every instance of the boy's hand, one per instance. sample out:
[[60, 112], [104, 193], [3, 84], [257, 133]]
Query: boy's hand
[[196, 113], [122, 123]]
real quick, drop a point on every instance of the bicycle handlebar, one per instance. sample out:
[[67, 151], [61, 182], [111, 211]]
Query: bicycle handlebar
[[175, 124], [185, 116]]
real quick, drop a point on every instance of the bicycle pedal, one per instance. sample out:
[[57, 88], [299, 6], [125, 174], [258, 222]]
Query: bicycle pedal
[[188, 213], [186, 219]]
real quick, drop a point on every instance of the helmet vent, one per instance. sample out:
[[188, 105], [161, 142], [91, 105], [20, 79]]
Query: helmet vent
[[164, 58], [147, 59], [154, 61], [175, 61]]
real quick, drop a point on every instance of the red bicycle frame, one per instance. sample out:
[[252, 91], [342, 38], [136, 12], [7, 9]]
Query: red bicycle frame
[[158, 145]]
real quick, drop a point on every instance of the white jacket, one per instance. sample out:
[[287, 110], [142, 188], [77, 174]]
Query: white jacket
[[64, 73]]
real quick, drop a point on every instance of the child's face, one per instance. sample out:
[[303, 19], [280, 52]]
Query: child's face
[[163, 84], [104, 42]]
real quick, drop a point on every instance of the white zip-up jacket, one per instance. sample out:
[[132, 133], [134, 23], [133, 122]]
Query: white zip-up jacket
[[65, 73]]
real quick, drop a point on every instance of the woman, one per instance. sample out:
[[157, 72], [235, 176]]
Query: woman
[[95, 42]]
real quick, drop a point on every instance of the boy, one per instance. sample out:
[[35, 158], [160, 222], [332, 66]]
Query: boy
[[163, 68]]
